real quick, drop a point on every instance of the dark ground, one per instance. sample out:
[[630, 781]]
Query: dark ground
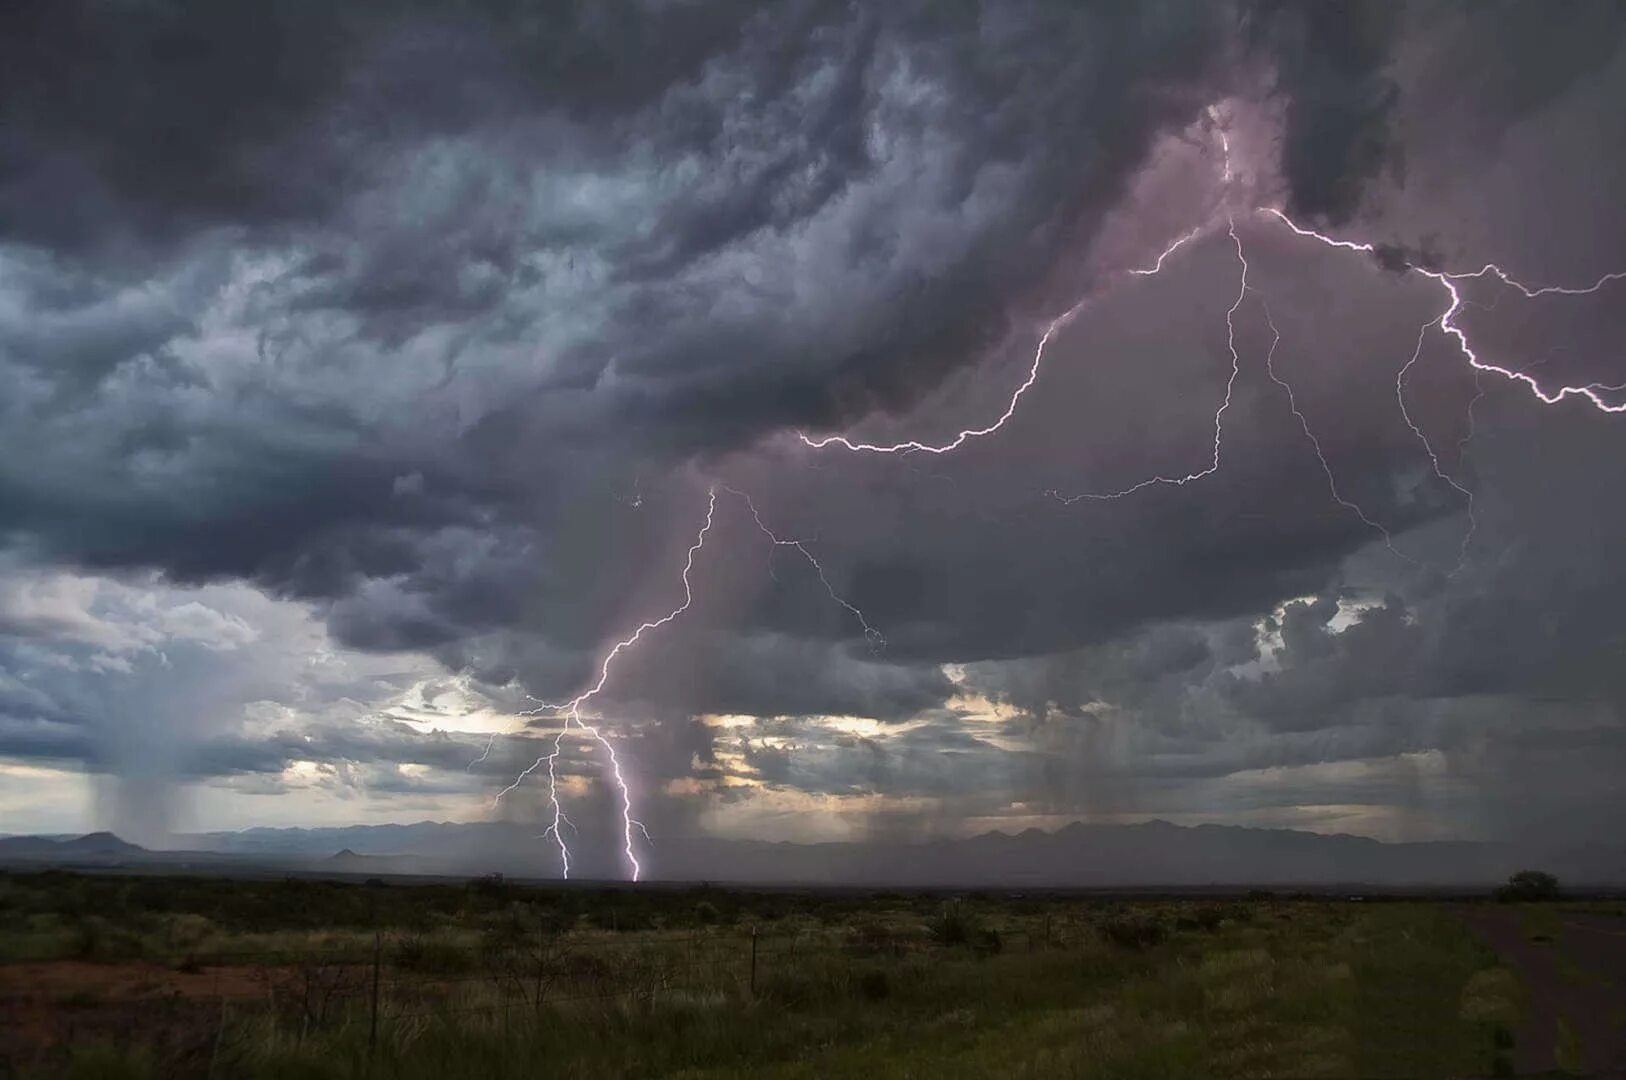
[[138, 977], [1573, 967]]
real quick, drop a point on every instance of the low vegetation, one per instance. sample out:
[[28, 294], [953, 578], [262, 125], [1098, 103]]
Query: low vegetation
[[138, 977]]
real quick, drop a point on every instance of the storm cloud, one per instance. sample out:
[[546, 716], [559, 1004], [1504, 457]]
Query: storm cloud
[[364, 371]]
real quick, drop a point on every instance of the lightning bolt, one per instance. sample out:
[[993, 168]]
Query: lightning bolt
[[1446, 320], [1179, 243], [873, 635], [1315, 443], [967, 434], [1400, 398], [1447, 323], [573, 710], [1468, 435], [1219, 414]]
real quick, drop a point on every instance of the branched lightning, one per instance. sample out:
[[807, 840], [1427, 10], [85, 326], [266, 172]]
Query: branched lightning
[[573, 710], [1434, 458], [967, 434], [873, 635], [1219, 414], [1315, 443], [1446, 321], [1468, 435], [1180, 242]]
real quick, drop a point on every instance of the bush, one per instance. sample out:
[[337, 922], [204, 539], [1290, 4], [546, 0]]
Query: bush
[[1133, 930], [956, 924], [426, 957], [490, 886], [874, 985], [1529, 885], [706, 913], [1207, 917], [94, 938]]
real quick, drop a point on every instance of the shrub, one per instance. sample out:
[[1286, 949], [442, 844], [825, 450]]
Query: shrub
[[873, 985], [1132, 930], [490, 886], [417, 954], [1206, 917], [94, 938], [1529, 885], [955, 924], [706, 913], [869, 938]]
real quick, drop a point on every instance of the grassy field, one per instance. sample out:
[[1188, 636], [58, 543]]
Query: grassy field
[[123, 976]]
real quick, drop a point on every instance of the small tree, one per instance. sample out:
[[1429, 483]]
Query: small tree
[[1529, 885]]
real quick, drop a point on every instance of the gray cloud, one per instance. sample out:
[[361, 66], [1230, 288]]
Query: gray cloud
[[436, 326]]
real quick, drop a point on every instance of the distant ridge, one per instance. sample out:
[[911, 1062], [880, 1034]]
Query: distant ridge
[[96, 845], [1150, 855], [1153, 853]]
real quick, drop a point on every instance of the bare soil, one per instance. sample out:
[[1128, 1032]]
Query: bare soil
[[47, 1006], [1574, 1013]]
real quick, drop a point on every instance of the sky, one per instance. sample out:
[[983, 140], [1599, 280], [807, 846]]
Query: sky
[[368, 372]]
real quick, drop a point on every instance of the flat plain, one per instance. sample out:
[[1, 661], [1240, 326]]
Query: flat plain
[[107, 975]]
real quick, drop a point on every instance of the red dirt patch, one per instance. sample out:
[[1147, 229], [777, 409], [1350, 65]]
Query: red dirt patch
[[46, 1006]]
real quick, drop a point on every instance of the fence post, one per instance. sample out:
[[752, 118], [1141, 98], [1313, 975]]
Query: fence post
[[220, 1029], [541, 957], [378, 955], [753, 961]]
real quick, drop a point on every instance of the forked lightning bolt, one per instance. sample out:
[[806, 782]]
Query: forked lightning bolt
[[967, 434], [875, 637], [573, 710], [1446, 321], [1447, 318], [1315, 443], [1219, 414], [1434, 458]]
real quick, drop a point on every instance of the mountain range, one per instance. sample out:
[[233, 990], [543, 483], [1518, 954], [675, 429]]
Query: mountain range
[[1149, 855]]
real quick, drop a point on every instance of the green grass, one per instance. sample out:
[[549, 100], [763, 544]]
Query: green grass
[[850, 986]]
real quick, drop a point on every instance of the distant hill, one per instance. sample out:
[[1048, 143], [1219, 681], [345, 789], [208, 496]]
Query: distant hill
[[97, 846], [1152, 854]]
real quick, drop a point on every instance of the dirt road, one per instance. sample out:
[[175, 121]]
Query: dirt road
[[1573, 968]]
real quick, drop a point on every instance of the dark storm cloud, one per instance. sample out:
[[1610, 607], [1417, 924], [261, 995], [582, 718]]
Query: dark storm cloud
[[290, 256], [313, 251], [442, 318], [149, 119], [1331, 65]]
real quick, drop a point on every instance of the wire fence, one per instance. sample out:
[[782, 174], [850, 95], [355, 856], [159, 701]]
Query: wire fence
[[401, 975], [400, 980]]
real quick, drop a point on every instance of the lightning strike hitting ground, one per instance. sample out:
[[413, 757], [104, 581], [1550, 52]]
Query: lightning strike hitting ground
[[573, 707], [1446, 321]]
